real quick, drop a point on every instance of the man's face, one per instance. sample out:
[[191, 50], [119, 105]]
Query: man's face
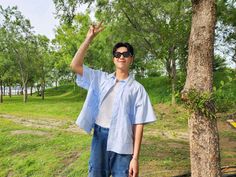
[[122, 62]]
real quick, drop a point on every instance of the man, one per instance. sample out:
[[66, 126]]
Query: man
[[117, 107]]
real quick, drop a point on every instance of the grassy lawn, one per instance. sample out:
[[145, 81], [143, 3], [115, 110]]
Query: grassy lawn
[[59, 103], [28, 151], [39, 138]]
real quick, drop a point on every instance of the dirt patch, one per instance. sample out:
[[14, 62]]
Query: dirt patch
[[31, 132], [44, 123], [148, 170], [167, 109], [74, 128], [71, 158], [227, 144], [68, 161], [224, 125], [38, 123], [10, 173], [168, 134]]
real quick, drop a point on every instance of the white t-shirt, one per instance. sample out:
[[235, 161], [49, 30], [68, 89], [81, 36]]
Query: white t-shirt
[[105, 111]]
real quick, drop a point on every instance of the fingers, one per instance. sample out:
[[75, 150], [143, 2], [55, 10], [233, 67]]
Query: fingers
[[98, 27], [133, 173], [130, 173], [102, 28], [100, 24], [94, 30]]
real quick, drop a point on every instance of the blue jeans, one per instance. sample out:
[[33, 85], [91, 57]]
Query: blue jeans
[[104, 163]]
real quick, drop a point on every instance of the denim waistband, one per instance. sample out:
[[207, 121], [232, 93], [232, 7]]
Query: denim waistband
[[100, 129]]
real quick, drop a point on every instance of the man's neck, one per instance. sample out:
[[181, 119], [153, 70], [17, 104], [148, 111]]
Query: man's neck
[[121, 75]]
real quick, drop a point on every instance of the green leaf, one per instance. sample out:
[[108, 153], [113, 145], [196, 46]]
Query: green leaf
[[222, 83]]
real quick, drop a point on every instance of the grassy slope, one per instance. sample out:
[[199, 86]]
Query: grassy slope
[[61, 103], [27, 149], [69, 99]]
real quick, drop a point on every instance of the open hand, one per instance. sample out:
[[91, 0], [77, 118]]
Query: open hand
[[94, 30]]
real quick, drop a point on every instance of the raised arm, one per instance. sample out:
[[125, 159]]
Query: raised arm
[[78, 60]]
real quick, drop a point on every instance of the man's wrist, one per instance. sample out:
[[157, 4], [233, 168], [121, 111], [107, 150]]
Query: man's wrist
[[134, 157]]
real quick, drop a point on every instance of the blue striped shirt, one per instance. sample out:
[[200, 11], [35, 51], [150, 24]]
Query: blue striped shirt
[[131, 106]]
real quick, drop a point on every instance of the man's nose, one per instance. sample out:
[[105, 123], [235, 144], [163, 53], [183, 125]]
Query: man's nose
[[122, 56]]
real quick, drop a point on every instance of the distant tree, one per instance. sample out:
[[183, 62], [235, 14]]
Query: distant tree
[[20, 43], [2, 63], [7, 65], [43, 61], [66, 10], [3, 70]]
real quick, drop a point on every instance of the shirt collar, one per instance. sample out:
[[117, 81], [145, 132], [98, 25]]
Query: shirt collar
[[112, 75], [128, 80]]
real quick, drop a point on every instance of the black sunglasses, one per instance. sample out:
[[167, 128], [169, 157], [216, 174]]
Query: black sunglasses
[[125, 54]]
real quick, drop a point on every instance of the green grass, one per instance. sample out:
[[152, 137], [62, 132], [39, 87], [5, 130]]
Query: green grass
[[61, 103], [57, 152], [158, 88], [225, 95], [60, 109], [27, 150]]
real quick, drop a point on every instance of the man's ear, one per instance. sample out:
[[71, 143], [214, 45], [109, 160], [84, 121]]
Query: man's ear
[[132, 61]]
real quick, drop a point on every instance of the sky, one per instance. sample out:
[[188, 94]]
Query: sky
[[41, 14]]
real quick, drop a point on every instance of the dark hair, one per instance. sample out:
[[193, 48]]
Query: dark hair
[[124, 44]]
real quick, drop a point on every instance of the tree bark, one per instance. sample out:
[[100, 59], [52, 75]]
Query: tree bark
[[4, 89], [42, 89], [204, 138], [1, 92], [31, 90], [25, 92], [171, 68], [56, 84], [10, 90]]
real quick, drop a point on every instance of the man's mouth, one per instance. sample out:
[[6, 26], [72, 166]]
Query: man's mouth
[[121, 60]]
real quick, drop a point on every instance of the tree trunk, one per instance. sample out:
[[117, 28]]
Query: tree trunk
[[173, 76], [31, 90], [204, 138], [22, 90], [10, 90], [171, 69], [25, 92], [1, 92], [42, 89], [38, 89], [56, 83], [4, 89]]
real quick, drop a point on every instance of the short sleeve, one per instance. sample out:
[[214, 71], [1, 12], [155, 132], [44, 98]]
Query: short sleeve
[[89, 76], [143, 111]]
